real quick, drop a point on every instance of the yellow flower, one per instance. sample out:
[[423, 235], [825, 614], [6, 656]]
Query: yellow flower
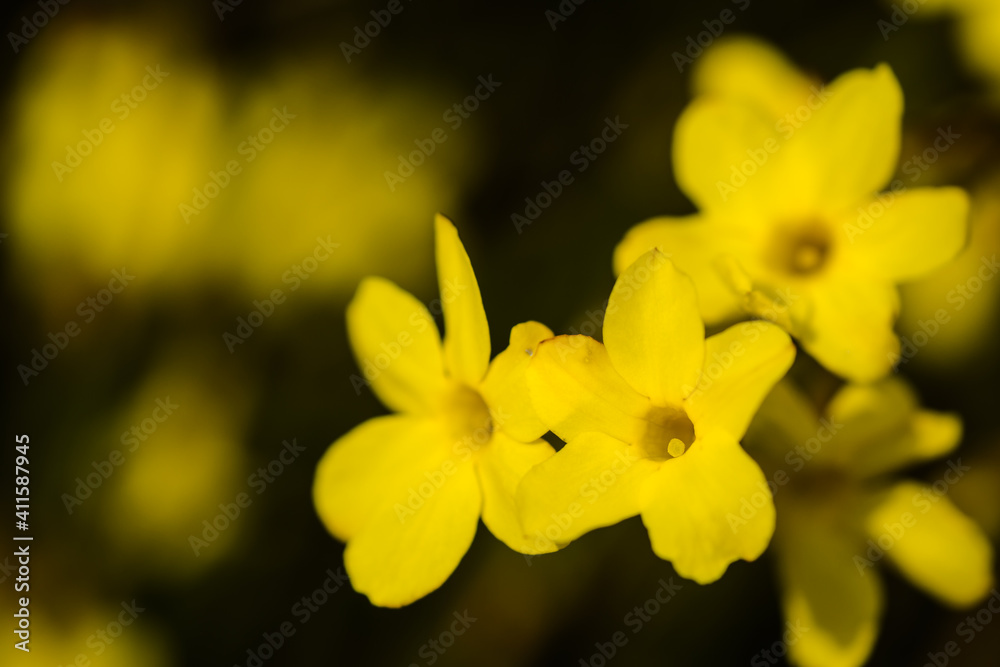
[[785, 173], [950, 316], [838, 516], [977, 29], [652, 421], [406, 491]]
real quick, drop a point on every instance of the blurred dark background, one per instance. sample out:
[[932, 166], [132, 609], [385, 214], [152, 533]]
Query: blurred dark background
[[162, 336]]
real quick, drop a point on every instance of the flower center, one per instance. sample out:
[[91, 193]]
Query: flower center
[[669, 433], [468, 417], [801, 250]]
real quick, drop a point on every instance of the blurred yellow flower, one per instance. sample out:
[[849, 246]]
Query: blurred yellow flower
[[406, 491], [950, 316], [179, 441], [785, 175], [838, 515], [978, 31], [652, 421], [126, 151]]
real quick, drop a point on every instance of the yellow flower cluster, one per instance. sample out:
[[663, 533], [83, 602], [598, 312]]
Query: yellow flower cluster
[[792, 242]]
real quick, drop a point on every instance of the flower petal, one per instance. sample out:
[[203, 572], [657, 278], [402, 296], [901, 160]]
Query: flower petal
[[916, 232], [355, 472], [751, 70], [882, 429], [713, 138], [837, 608], [591, 482], [502, 466], [742, 364], [848, 327], [695, 509], [786, 420], [575, 389], [505, 387], [397, 346], [933, 543], [653, 329], [693, 244], [417, 538], [466, 332], [848, 149]]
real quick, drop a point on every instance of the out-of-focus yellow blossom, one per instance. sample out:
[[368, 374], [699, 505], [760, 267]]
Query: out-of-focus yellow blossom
[[406, 491], [111, 129], [950, 316], [180, 437], [978, 30], [122, 635], [784, 173], [323, 176], [652, 421], [126, 151], [839, 516]]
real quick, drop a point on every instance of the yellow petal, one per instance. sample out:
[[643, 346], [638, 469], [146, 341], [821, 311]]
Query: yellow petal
[[505, 387], [692, 244], [903, 236], [711, 143], [835, 607], [751, 70], [881, 429], [653, 329], [466, 332], [708, 508], [591, 482], [936, 546], [575, 389], [355, 473], [742, 364], [848, 149], [417, 538], [502, 466], [397, 346], [786, 420], [848, 328]]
